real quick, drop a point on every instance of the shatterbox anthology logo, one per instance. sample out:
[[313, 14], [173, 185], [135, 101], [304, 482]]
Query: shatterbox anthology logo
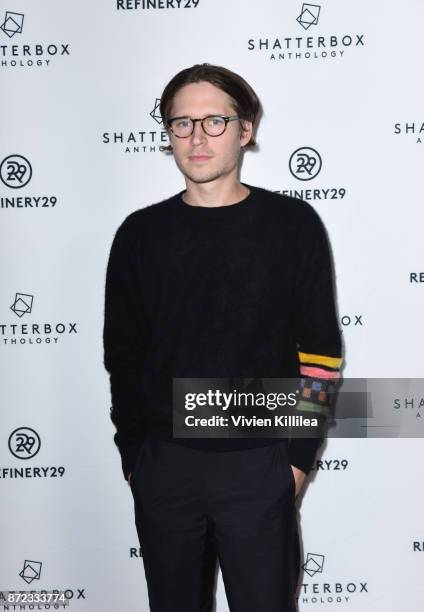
[[22, 304], [155, 113], [32, 333], [31, 571], [351, 320], [309, 15], [145, 140], [16, 173], [12, 24], [314, 564], [305, 164], [26, 55], [413, 130], [290, 46], [326, 590], [411, 405]]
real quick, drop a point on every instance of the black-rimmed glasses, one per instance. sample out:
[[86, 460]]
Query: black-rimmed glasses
[[212, 125]]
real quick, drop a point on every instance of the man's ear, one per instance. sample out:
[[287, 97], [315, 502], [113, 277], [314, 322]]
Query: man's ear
[[246, 129], [169, 148]]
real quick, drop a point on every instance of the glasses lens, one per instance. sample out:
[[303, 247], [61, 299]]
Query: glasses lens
[[182, 126], [214, 126]]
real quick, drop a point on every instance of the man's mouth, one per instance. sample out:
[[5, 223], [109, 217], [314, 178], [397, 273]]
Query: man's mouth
[[196, 158]]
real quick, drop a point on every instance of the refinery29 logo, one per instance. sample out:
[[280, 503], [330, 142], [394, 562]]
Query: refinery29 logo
[[15, 171]]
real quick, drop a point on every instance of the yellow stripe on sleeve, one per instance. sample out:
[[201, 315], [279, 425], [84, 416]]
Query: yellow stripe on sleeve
[[332, 362]]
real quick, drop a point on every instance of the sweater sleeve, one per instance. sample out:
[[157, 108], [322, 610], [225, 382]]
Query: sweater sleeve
[[125, 336], [317, 332]]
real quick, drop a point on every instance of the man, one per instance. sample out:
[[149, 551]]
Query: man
[[222, 279]]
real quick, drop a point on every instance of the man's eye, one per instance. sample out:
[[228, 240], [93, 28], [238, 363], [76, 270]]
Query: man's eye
[[183, 123], [215, 121]]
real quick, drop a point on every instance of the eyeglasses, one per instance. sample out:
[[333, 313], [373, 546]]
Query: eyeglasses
[[212, 125]]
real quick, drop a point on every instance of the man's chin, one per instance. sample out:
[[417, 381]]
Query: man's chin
[[199, 178]]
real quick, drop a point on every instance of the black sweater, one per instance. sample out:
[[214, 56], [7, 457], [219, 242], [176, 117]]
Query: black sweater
[[243, 290]]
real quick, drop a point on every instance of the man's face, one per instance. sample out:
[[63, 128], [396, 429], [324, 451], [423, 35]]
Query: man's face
[[202, 158]]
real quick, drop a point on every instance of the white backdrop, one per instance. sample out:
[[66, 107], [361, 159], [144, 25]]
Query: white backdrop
[[79, 82]]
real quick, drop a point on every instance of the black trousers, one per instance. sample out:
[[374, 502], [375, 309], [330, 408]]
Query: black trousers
[[195, 507]]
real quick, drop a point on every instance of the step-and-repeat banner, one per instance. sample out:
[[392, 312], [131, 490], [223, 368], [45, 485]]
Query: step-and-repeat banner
[[341, 87]]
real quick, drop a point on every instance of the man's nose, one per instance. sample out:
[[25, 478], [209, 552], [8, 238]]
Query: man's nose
[[198, 136]]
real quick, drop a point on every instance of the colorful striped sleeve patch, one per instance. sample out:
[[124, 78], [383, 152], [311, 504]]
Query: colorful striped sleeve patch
[[319, 375]]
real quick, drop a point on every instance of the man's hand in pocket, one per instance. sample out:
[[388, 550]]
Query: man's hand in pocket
[[299, 478]]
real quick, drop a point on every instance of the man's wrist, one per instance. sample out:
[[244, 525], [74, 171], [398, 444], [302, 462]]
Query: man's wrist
[[128, 458], [302, 451]]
